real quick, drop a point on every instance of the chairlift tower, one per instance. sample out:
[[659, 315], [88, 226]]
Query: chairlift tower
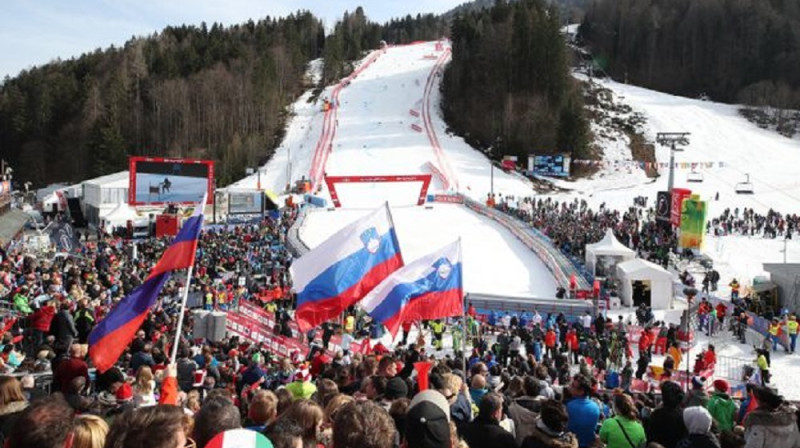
[[674, 140]]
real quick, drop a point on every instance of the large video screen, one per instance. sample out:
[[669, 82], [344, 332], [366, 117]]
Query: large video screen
[[156, 181], [553, 166], [244, 203]]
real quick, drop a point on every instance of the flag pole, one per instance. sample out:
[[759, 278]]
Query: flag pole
[[178, 328], [464, 330]]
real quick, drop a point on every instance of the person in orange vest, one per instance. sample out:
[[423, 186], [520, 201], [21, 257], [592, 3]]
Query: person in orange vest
[[676, 354], [550, 343], [490, 200], [645, 343], [571, 339]]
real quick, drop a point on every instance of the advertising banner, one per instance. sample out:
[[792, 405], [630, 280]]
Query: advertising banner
[[243, 203], [693, 223], [678, 195], [663, 203]]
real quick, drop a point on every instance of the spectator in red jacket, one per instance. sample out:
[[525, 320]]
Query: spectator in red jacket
[[645, 343], [550, 343], [71, 368], [40, 322], [571, 340]]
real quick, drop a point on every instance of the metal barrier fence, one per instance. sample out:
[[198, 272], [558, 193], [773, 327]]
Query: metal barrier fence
[[731, 368], [293, 242], [571, 308]]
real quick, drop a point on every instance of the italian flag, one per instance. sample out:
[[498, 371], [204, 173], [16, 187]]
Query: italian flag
[[239, 438]]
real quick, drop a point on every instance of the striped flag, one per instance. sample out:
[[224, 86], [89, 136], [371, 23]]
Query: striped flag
[[239, 438], [430, 287], [345, 267], [109, 338]]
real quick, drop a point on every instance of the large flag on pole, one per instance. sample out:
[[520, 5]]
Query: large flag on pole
[[109, 338], [430, 287], [345, 267]]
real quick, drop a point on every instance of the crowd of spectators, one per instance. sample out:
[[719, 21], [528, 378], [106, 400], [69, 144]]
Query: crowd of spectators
[[528, 381], [571, 225], [749, 223]]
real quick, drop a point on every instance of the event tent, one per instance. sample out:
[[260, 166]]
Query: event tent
[[651, 276], [119, 217], [610, 248]]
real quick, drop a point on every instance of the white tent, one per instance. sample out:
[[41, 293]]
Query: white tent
[[119, 216], [652, 276], [610, 252]]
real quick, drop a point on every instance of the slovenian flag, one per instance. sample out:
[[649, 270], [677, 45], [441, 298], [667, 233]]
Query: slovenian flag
[[430, 287], [112, 335], [345, 267]]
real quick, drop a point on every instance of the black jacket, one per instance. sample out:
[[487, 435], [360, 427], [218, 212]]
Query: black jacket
[[485, 433], [542, 437], [63, 327], [665, 426], [707, 440]]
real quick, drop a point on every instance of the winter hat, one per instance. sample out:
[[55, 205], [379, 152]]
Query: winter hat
[[124, 393], [428, 421], [698, 382], [495, 383], [721, 386], [239, 438], [396, 388], [302, 374], [697, 420]]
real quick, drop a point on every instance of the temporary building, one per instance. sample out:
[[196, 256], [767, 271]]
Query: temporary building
[[102, 194], [604, 254], [119, 217], [643, 281]]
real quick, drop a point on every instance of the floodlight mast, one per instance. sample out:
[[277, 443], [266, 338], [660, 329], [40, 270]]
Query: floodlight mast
[[673, 140]]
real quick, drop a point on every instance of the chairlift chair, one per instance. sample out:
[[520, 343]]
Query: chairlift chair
[[694, 176], [745, 187]]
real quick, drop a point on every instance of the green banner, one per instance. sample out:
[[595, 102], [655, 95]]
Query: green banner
[[693, 223]]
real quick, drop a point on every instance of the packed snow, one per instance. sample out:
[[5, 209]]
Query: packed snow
[[421, 230], [374, 136]]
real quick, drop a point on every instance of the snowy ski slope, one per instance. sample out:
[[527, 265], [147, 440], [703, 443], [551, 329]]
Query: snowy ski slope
[[374, 136]]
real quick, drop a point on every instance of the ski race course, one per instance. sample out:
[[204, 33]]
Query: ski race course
[[387, 122]]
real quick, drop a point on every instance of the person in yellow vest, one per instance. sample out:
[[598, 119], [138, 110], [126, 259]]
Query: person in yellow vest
[[349, 324], [271, 307], [763, 366], [774, 332], [209, 301], [438, 328], [734, 289], [791, 328], [301, 386]]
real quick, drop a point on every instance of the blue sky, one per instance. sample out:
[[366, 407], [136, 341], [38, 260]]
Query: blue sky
[[34, 32]]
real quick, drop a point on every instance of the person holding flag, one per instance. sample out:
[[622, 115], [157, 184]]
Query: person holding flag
[[114, 333], [345, 267], [431, 287]]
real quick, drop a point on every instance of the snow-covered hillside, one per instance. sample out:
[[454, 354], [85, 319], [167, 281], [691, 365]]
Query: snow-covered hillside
[[383, 126]]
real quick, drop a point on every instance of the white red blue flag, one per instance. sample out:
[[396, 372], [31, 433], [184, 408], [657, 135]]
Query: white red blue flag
[[344, 268], [430, 287]]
